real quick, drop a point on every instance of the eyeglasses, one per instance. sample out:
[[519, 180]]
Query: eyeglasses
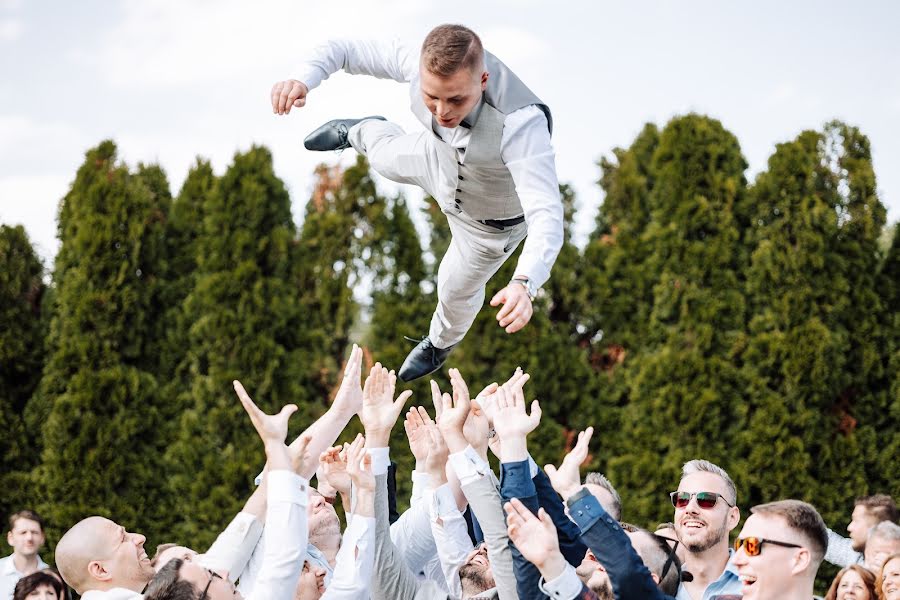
[[753, 545], [212, 575], [705, 500], [671, 554]]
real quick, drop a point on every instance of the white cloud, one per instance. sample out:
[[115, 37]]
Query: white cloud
[[32, 201], [11, 30], [163, 43]]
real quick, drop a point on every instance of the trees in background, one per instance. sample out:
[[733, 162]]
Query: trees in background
[[755, 325]]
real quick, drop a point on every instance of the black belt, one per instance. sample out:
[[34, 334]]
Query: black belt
[[503, 223]]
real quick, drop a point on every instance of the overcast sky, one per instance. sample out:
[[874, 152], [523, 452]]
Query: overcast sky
[[169, 80]]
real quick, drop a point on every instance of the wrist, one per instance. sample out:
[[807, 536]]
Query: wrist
[[456, 441], [514, 449], [553, 567], [377, 438], [365, 503]]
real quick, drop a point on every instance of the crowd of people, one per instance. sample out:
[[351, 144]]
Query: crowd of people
[[530, 533]]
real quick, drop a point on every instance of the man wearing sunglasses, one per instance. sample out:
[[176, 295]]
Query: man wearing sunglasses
[[779, 551], [705, 512]]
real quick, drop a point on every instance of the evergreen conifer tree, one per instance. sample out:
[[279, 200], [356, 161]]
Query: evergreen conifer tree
[[100, 450], [684, 390], [22, 330]]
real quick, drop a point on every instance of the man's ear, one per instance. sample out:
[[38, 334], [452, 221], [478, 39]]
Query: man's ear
[[484, 79], [655, 578], [734, 517], [800, 562], [9, 538], [97, 571]]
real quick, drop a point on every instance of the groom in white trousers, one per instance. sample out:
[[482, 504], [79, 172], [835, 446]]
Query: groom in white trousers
[[485, 155]]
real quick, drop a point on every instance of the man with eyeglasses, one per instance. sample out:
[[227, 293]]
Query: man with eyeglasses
[[705, 512], [779, 551]]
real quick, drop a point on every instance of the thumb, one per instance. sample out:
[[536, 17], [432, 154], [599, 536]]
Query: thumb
[[550, 470], [401, 399], [499, 297], [536, 411], [288, 410], [545, 518]]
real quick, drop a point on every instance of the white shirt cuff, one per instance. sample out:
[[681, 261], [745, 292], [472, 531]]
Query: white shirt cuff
[[287, 486], [565, 587], [468, 465], [381, 460], [532, 467]]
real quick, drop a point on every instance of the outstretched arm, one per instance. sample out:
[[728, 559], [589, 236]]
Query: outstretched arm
[[384, 60]]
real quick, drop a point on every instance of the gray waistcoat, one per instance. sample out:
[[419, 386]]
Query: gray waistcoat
[[485, 188]]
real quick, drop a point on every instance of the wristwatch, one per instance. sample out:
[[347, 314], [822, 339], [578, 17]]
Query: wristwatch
[[527, 284]]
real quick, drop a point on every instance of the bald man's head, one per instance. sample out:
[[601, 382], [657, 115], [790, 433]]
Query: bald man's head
[[98, 554]]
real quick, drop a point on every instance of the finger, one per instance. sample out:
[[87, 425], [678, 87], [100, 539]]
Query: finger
[[424, 416], [545, 519], [447, 401], [302, 443], [488, 390], [550, 470], [368, 385], [275, 93], [436, 399], [391, 383], [255, 414], [415, 417], [535, 415], [520, 509], [287, 411], [283, 99], [295, 94], [401, 400], [508, 307], [520, 322], [499, 297]]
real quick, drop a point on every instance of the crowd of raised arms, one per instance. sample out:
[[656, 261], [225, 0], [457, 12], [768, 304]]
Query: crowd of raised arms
[[530, 533]]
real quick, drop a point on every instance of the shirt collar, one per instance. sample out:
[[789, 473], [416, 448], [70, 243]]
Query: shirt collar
[[471, 119]]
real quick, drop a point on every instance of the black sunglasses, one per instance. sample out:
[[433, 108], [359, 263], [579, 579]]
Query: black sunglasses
[[705, 500]]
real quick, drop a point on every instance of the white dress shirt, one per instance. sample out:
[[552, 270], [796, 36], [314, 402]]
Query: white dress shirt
[[355, 561], [567, 586], [10, 576], [285, 537], [525, 146]]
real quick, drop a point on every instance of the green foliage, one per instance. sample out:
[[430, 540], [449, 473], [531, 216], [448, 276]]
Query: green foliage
[[98, 398], [244, 323], [752, 325], [22, 331]]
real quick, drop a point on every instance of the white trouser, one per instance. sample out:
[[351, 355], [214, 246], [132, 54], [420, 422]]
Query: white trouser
[[476, 250]]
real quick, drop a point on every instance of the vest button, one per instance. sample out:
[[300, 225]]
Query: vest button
[[458, 190], [461, 178]]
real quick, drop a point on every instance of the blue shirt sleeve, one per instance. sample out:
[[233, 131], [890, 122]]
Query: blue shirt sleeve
[[516, 482]]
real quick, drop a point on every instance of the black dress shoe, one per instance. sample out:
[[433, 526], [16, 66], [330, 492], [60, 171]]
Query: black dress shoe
[[425, 358], [333, 134]]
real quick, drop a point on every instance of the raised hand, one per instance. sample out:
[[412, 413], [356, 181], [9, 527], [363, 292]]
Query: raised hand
[[286, 94], [359, 465], [272, 429], [476, 429], [535, 537], [380, 411], [487, 399], [349, 398], [567, 479], [333, 469], [454, 411], [416, 426], [512, 423], [438, 455]]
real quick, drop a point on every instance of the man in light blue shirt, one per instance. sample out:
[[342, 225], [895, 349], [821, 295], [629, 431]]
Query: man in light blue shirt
[[705, 513]]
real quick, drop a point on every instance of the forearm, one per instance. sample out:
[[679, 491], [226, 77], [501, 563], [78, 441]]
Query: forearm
[[356, 558], [234, 546], [323, 433], [285, 537], [516, 482], [451, 536], [484, 499], [384, 60], [570, 543]]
